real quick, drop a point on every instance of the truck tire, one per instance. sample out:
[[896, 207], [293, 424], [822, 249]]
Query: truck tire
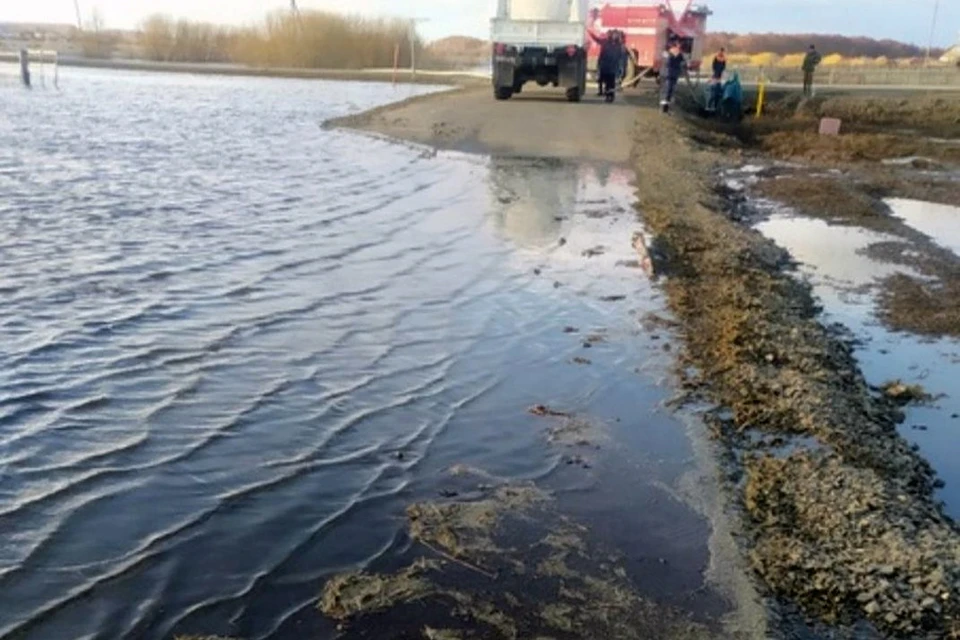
[[503, 93]]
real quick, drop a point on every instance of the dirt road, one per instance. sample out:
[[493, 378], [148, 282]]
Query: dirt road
[[538, 123]]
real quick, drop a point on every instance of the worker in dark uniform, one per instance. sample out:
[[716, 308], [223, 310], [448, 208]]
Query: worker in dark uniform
[[810, 63], [674, 65], [624, 58], [608, 64], [719, 64]]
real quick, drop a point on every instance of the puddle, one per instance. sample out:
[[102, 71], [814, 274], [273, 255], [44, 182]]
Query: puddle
[[940, 222], [845, 281], [833, 257]]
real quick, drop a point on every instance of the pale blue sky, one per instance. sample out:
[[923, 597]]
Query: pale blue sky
[[907, 20]]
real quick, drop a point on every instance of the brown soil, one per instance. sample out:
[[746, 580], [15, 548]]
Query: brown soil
[[918, 306], [935, 115], [809, 145], [847, 525], [825, 197], [873, 129]]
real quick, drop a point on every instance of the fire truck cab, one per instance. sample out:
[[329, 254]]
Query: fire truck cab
[[648, 25]]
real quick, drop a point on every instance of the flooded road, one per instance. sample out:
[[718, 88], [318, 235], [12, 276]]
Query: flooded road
[[236, 346]]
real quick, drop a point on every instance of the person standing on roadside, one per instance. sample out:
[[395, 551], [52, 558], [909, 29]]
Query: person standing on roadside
[[810, 63], [608, 64], [719, 64], [674, 65]]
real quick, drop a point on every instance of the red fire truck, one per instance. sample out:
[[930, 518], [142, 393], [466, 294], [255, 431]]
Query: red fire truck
[[648, 26]]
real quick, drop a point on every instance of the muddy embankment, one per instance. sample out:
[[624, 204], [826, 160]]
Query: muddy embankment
[[839, 520], [840, 512], [890, 147]]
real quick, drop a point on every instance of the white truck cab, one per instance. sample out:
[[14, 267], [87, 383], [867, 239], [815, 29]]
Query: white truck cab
[[542, 41]]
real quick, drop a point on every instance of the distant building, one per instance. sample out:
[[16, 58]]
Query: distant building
[[952, 56]]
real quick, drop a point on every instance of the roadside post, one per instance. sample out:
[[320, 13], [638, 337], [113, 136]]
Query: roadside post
[[413, 45], [396, 62], [761, 93], [25, 67]]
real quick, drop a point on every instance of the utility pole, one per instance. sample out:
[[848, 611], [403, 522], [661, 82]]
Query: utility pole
[[933, 29], [413, 45], [76, 7]]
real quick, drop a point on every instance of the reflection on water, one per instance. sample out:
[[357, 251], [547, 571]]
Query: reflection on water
[[940, 222], [833, 256], [236, 345]]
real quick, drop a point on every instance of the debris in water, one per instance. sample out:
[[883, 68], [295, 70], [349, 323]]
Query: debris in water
[[616, 298], [350, 594], [571, 330], [544, 410], [593, 252], [557, 576], [441, 634], [904, 394], [579, 360]]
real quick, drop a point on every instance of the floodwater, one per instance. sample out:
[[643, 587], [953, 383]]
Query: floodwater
[[940, 222], [235, 346], [847, 281]]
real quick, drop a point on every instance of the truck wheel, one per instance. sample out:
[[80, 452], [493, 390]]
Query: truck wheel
[[503, 93], [574, 94]]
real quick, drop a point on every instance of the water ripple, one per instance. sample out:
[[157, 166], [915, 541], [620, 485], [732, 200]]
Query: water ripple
[[234, 344]]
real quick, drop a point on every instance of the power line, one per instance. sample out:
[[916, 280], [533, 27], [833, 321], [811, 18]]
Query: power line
[[933, 29]]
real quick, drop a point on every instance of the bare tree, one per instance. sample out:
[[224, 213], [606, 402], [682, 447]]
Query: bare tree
[[96, 41]]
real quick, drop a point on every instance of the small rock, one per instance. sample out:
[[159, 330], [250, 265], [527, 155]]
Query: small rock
[[399, 455], [571, 330], [563, 242], [448, 493], [581, 361], [537, 272], [557, 285], [587, 345], [872, 608]]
